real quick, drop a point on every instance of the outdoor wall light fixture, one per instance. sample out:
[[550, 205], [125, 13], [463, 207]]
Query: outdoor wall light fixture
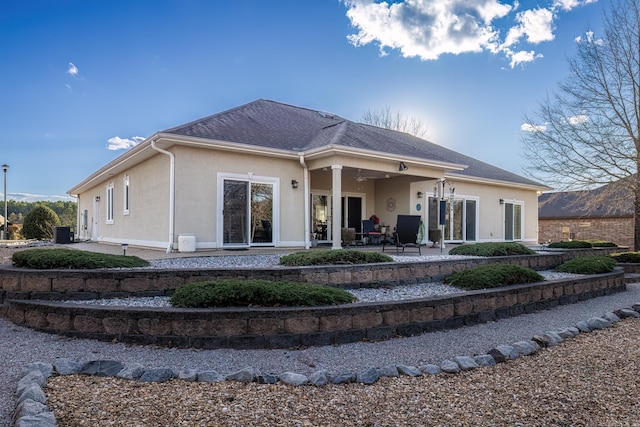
[[294, 183], [419, 194], [124, 249], [402, 167], [97, 198], [502, 201]]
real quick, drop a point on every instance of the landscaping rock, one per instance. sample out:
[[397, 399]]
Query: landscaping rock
[[293, 378], [627, 312], [430, 369], [262, 378], [526, 348], [484, 360], [65, 366], [598, 323], [189, 375], [43, 419], [583, 326], [157, 375], [30, 407], [410, 371], [32, 392], [344, 378], [450, 367], [245, 375], [131, 371], [388, 371], [554, 338], [611, 317], [102, 368], [209, 377], [466, 363], [319, 378], [46, 369], [368, 376]]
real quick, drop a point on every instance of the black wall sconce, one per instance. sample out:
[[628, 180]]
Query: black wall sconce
[[124, 248], [294, 183], [502, 201], [97, 198], [419, 194], [402, 167]]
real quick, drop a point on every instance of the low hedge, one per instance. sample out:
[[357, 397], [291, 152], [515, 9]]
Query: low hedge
[[333, 257], [572, 244], [50, 259], [630, 257], [493, 276], [588, 265], [602, 244], [245, 293], [488, 249]]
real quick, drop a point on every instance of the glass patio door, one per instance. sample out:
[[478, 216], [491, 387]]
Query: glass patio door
[[512, 221], [321, 217], [247, 213], [460, 217]]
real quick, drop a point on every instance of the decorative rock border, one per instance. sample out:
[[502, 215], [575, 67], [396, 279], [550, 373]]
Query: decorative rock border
[[32, 410], [285, 327]]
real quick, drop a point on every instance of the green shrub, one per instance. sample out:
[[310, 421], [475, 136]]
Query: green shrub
[[631, 257], [72, 259], [492, 276], [244, 293], [602, 244], [573, 244], [588, 265], [492, 249], [39, 223], [333, 257]]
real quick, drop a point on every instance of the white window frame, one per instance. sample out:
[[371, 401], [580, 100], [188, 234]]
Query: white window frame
[[514, 203], [125, 195], [109, 204]]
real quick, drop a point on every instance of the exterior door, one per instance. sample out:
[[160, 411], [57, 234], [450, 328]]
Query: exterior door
[[321, 217], [247, 213]]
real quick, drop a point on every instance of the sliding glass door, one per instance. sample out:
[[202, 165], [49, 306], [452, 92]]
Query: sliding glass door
[[247, 213], [461, 219]]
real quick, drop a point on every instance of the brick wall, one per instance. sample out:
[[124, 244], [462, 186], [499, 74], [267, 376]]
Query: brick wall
[[616, 230]]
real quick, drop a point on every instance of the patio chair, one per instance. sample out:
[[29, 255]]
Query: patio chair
[[369, 231], [407, 229]]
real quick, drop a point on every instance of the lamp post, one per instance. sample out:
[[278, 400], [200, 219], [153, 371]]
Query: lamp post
[[5, 168]]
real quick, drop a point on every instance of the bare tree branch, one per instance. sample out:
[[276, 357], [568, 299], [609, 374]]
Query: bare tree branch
[[587, 135], [386, 119]]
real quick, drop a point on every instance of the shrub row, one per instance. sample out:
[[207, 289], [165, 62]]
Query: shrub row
[[333, 257], [52, 259]]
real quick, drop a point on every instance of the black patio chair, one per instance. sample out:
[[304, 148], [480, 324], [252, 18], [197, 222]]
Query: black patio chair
[[369, 231], [407, 229]]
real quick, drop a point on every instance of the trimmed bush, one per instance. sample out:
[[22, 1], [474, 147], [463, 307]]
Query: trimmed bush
[[492, 249], [492, 276], [244, 293], [602, 244], [39, 223], [333, 257], [49, 259], [631, 257], [588, 265], [573, 244]]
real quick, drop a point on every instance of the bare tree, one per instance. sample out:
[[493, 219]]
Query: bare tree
[[587, 135], [385, 118]]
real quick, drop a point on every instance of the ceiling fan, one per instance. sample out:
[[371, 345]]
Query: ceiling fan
[[361, 178]]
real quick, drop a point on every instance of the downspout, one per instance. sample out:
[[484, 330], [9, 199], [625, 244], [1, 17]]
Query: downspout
[[305, 186], [172, 192]]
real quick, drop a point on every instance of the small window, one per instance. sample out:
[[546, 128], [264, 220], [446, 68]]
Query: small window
[[110, 204], [125, 192]]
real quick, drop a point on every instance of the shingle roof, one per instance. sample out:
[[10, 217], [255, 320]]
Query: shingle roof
[[598, 203], [270, 124]]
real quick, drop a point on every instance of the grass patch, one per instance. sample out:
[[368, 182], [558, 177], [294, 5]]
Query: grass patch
[[492, 276], [244, 293], [488, 249], [631, 257], [588, 265], [51, 259], [333, 257], [573, 244]]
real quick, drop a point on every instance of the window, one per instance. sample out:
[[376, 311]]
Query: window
[[125, 192], [110, 204]]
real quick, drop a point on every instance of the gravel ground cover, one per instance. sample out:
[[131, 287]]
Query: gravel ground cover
[[590, 380]]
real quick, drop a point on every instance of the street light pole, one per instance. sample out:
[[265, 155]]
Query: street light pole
[[5, 168]]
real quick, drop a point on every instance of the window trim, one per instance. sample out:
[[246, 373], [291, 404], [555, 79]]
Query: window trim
[[109, 204], [125, 195]]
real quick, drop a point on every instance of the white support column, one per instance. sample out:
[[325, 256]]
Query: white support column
[[336, 184]]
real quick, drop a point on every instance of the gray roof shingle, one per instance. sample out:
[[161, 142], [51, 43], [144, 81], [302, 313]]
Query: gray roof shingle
[[271, 124]]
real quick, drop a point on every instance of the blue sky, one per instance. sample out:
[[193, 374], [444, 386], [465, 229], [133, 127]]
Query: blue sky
[[82, 81]]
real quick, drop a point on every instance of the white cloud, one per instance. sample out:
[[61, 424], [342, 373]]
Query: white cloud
[[589, 38], [117, 143], [522, 57], [427, 29], [576, 120], [73, 70], [528, 127]]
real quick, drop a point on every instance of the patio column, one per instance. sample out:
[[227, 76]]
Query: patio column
[[336, 185]]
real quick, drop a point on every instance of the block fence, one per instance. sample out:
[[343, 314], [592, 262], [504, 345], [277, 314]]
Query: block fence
[[31, 298], [283, 327]]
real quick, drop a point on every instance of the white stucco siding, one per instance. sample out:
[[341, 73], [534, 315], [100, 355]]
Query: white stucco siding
[[197, 198]]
